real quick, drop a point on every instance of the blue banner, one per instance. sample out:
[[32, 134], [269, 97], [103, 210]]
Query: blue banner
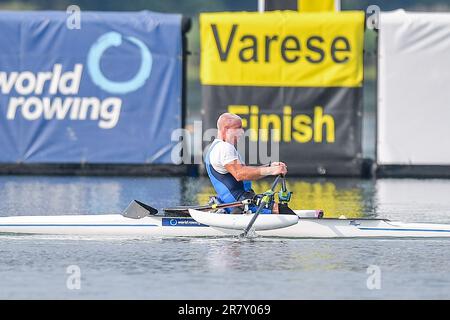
[[105, 90]]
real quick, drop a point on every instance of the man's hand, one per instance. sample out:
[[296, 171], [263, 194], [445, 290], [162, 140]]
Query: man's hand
[[278, 168], [276, 164], [241, 172]]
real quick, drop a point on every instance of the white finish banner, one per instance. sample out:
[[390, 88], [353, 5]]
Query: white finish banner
[[413, 89]]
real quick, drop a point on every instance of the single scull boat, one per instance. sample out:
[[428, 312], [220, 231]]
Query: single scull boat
[[137, 220]]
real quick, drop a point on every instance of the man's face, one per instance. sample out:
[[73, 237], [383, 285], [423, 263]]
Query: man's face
[[234, 131]]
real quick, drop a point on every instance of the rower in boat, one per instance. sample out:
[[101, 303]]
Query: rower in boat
[[230, 177]]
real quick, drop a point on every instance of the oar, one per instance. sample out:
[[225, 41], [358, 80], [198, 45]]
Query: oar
[[265, 200], [137, 209], [185, 209]]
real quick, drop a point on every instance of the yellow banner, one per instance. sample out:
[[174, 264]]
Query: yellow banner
[[282, 48], [334, 200], [317, 6]]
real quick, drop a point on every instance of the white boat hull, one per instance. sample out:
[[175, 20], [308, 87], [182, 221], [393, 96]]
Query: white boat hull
[[241, 221], [159, 226]]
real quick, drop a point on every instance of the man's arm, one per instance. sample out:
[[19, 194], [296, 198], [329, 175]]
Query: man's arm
[[242, 172]]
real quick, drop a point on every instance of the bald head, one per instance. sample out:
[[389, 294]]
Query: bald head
[[228, 120], [229, 127]]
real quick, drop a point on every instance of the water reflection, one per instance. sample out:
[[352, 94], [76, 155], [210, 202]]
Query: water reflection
[[235, 255], [424, 200], [225, 268], [41, 195], [419, 200], [336, 197]]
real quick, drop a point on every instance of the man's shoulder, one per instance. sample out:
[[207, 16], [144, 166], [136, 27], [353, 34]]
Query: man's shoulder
[[223, 153], [219, 146], [225, 146]]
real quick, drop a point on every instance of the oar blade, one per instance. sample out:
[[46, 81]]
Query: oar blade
[[138, 210]]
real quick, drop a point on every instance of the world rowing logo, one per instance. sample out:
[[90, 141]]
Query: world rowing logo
[[118, 87], [181, 222]]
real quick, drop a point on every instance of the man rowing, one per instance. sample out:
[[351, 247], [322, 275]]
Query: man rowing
[[229, 175]]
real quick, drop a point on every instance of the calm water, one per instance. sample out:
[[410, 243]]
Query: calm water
[[224, 268]]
